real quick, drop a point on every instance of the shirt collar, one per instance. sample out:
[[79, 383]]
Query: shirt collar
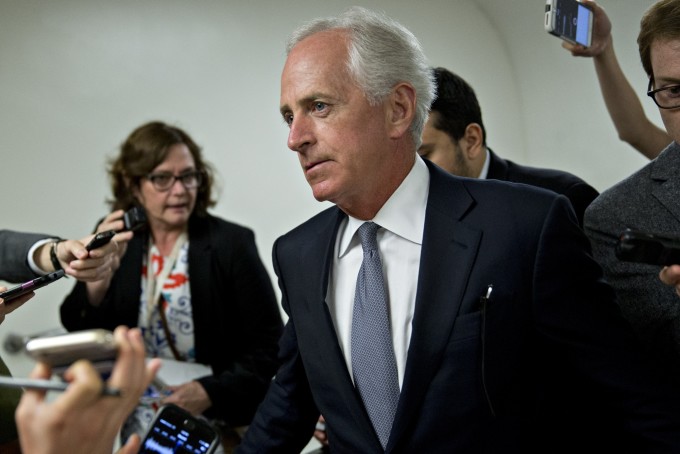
[[485, 168], [404, 212]]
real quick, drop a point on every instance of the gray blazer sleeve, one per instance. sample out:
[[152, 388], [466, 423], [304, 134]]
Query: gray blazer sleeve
[[14, 247]]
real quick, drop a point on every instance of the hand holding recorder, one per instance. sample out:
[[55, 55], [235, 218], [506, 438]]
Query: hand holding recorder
[[81, 417]]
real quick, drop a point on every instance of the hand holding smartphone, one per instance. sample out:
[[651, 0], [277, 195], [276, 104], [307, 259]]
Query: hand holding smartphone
[[569, 20]]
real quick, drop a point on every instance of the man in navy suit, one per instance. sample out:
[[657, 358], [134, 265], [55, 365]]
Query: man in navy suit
[[490, 284], [454, 138]]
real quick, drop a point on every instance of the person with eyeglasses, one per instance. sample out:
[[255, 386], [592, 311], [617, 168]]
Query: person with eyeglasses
[[648, 200], [623, 104], [193, 283]]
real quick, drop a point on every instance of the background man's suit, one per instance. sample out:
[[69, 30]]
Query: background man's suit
[[648, 200], [579, 193], [475, 372]]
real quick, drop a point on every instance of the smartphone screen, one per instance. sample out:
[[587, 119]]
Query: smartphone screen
[[569, 20], [174, 430], [33, 284]]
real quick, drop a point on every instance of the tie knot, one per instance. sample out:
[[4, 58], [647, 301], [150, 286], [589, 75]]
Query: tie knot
[[368, 235]]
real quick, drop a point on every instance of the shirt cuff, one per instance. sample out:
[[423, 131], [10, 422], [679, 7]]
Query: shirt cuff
[[31, 263]]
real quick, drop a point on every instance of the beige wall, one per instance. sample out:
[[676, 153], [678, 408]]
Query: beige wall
[[77, 75]]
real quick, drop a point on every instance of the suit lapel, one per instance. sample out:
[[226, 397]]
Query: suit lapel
[[665, 174], [327, 354], [449, 245]]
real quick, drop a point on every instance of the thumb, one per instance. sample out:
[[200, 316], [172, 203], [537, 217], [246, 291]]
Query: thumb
[[131, 446]]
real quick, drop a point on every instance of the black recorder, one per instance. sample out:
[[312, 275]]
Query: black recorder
[[134, 218], [650, 248], [32, 285]]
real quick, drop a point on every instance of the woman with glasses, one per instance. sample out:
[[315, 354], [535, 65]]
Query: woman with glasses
[[192, 282]]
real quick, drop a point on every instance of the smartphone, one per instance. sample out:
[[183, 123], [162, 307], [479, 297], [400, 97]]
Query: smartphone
[[569, 20], [60, 351], [100, 239], [650, 248], [33, 284], [134, 218], [174, 430]]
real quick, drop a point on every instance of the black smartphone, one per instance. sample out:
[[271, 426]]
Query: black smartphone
[[569, 20], [60, 351], [134, 218], [33, 284], [175, 430], [650, 248], [100, 239]]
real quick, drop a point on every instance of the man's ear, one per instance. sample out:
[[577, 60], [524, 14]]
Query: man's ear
[[472, 141], [401, 108]]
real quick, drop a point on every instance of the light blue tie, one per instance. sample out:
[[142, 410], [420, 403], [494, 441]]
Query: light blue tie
[[373, 363]]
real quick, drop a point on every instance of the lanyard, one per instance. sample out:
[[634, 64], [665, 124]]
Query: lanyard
[[154, 285]]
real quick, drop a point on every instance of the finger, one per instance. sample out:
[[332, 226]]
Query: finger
[[112, 221], [85, 387], [11, 306], [131, 374], [131, 446], [31, 396], [71, 249]]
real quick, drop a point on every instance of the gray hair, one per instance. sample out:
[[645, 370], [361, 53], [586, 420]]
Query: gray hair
[[382, 53]]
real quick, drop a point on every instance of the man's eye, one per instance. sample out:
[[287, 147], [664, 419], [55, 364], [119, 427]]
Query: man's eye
[[288, 119], [319, 106], [674, 90]]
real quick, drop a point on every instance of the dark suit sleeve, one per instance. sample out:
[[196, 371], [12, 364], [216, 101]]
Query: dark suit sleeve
[[575, 312], [285, 420], [581, 195], [14, 247]]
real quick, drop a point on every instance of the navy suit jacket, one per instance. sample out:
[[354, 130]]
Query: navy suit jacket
[[476, 372], [579, 193]]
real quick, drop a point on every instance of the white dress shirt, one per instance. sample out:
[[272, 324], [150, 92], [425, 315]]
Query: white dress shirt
[[402, 219]]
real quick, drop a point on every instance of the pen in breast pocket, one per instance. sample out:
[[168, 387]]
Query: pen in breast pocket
[[47, 385], [485, 298]]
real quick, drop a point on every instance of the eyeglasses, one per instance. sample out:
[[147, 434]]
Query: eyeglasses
[[163, 181], [666, 97]]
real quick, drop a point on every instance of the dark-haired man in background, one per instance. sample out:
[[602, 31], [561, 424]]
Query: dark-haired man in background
[[454, 138]]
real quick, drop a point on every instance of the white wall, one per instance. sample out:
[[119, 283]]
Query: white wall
[[76, 76]]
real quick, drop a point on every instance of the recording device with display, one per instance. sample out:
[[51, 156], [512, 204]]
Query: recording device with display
[[570, 20], [175, 430]]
